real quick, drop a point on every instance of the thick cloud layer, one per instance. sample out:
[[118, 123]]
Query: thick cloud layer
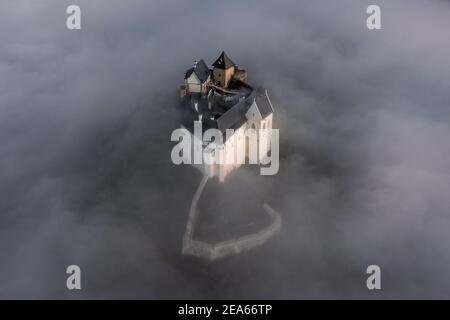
[[85, 123]]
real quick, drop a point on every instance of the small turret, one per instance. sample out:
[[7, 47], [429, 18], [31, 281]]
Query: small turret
[[223, 70]]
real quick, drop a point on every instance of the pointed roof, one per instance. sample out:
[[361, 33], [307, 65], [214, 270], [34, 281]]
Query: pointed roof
[[201, 71], [223, 62]]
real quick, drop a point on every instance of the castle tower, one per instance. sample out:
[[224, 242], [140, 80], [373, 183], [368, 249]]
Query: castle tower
[[223, 70]]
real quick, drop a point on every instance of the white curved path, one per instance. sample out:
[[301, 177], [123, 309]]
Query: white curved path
[[213, 251]]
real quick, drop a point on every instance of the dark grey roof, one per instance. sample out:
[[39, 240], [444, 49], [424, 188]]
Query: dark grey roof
[[232, 118], [263, 103], [201, 71], [235, 117], [223, 61]]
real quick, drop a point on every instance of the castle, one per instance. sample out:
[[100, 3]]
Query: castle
[[220, 98]]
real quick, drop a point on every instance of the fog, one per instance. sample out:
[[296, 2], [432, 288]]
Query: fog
[[85, 124]]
